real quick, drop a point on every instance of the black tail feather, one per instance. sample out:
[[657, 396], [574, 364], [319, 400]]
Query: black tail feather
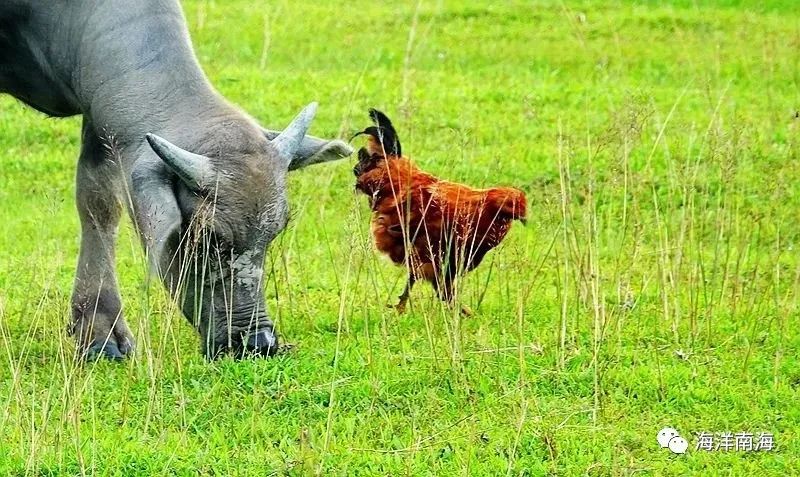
[[384, 132]]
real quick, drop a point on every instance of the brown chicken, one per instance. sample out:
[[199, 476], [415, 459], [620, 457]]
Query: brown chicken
[[438, 229]]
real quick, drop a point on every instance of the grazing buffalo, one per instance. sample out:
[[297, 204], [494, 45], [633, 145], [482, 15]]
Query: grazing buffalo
[[204, 184]]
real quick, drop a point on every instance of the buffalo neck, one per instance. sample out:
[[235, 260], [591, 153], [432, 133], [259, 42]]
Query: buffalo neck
[[138, 74]]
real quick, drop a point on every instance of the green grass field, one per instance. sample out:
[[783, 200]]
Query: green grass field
[[655, 285]]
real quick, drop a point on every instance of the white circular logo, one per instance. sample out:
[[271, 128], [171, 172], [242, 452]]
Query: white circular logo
[[664, 435], [678, 445], [670, 439]]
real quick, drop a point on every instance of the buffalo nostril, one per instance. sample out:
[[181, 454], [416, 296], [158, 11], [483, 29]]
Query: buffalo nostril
[[262, 343]]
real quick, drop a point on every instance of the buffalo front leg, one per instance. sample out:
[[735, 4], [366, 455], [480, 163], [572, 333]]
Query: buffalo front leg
[[97, 321]]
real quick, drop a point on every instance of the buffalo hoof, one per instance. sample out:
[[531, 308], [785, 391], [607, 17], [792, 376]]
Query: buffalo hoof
[[262, 343], [101, 337], [108, 350]]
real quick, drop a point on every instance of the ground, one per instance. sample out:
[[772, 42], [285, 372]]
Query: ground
[[656, 283]]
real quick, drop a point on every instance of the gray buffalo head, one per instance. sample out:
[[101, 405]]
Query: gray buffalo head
[[209, 216]]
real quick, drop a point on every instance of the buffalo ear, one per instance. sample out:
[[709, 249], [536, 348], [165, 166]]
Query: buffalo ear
[[332, 150], [314, 150]]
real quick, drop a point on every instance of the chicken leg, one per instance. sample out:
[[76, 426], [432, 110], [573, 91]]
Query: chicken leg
[[401, 305], [444, 289]]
